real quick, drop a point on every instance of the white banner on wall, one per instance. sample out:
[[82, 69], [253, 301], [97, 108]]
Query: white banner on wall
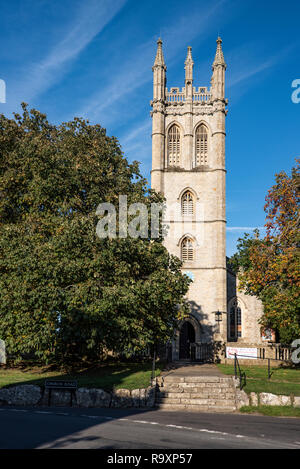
[[247, 353]]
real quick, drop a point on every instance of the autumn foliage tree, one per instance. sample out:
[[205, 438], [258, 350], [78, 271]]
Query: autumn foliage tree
[[269, 267], [65, 294]]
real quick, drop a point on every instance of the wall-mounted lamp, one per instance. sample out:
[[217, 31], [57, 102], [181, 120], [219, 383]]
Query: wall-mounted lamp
[[218, 318]]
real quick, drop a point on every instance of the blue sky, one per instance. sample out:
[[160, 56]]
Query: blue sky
[[94, 58]]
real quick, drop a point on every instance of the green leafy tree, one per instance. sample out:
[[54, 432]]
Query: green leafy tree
[[66, 294], [269, 267]]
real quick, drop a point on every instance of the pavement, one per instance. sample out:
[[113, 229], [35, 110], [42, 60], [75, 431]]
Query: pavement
[[194, 369], [76, 428]]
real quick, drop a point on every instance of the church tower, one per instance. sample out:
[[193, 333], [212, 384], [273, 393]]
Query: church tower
[[188, 167]]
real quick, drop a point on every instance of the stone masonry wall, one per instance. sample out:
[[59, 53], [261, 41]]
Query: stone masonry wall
[[28, 394]]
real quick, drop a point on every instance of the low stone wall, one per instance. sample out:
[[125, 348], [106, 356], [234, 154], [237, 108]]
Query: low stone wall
[[266, 398], [31, 395], [263, 398], [256, 362]]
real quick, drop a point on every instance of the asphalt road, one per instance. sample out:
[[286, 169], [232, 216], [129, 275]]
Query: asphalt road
[[27, 428]]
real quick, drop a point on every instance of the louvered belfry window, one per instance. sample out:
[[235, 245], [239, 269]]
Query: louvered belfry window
[[201, 145], [187, 203], [187, 250], [174, 145]]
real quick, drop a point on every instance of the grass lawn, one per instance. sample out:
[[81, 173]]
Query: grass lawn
[[283, 380], [118, 375], [272, 411]]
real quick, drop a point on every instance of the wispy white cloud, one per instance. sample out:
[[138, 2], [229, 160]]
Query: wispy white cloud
[[137, 144], [246, 63], [89, 20], [135, 133], [245, 228], [133, 72], [250, 72]]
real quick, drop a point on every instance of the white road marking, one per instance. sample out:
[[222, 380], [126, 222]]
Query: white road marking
[[181, 427], [98, 417], [42, 412], [145, 422], [19, 410], [211, 432], [140, 421], [90, 416]]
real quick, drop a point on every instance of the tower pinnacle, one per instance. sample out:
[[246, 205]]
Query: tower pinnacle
[[159, 59], [189, 64], [219, 58]]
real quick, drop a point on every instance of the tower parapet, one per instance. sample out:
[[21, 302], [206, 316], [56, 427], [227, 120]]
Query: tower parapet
[[201, 100], [177, 95]]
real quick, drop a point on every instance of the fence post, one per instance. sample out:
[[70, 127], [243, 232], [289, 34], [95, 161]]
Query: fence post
[[235, 373], [153, 367], [269, 369]]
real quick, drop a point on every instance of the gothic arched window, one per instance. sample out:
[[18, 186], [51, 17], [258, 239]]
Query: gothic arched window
[[187, 203], [187, 249], [235, 320], [201, 145], [174, 145]]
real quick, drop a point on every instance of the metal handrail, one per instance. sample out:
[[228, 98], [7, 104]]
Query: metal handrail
[[242, 374], [282, 353]]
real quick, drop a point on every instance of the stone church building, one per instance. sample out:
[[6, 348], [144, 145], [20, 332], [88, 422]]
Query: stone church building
[[188, 167]]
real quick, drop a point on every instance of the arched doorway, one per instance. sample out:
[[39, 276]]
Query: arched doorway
[[187, 337]]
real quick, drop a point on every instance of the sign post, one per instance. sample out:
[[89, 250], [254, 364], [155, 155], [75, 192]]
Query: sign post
[[60, 385], [2, 353]]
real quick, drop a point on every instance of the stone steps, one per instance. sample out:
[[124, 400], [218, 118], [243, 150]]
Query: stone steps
[[193, 396], [196, 393], [197, 408], [175, 379], [198, 401]]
